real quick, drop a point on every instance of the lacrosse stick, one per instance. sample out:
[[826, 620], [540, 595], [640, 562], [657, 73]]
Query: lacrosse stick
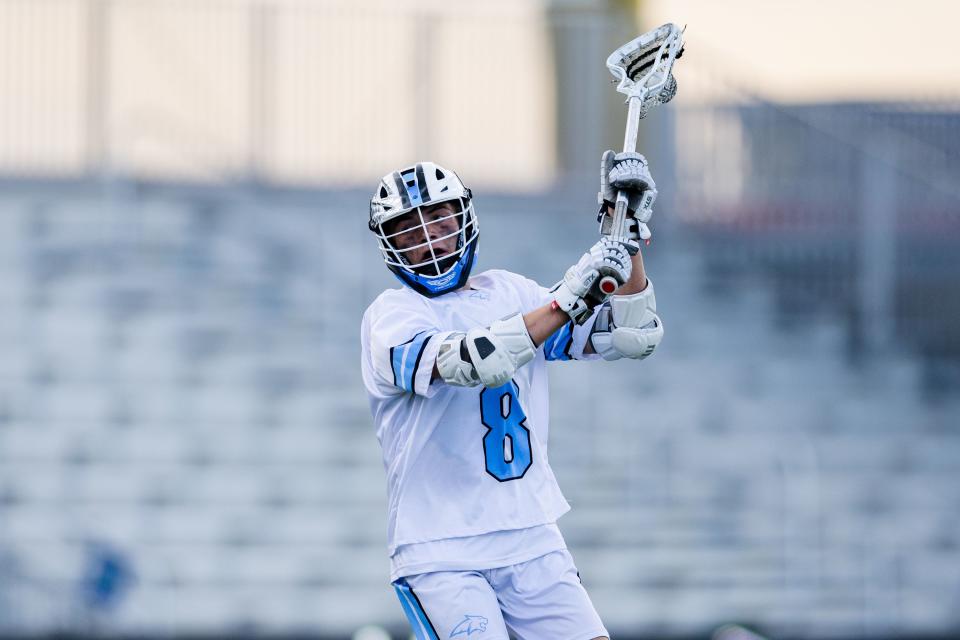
[[643, 68]]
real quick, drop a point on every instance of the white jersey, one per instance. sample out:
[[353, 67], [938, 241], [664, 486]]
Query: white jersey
[[461, 461]]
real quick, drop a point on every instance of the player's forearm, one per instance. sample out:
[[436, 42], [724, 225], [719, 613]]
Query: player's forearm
[[541, 323], [638, 278]]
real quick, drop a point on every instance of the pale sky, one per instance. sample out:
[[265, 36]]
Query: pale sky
[[823, 50]]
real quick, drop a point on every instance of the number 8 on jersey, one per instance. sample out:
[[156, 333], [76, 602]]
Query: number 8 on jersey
[[506, 446]]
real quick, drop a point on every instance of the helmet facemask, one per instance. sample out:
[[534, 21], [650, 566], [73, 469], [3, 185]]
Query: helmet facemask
[[420, 240]]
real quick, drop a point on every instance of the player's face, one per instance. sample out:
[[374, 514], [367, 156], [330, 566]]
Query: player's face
[[439, 233]]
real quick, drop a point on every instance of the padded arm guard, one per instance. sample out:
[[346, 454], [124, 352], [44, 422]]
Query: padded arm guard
[[453, 362], [486, 356], [628, 326]]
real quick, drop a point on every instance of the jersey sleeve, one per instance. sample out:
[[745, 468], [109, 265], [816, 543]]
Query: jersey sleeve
[[567, 342], [400, 347]]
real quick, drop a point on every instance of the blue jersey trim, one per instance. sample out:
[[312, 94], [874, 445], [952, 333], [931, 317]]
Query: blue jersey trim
[[557, 346], [405, 359], [412, 607]]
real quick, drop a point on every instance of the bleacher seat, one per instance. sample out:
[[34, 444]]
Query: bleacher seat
[[180, 381]]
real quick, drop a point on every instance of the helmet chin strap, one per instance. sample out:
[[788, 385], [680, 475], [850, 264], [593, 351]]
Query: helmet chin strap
[[446, 262]]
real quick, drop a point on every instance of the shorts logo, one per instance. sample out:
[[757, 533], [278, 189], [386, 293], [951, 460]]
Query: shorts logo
[[469, 625]]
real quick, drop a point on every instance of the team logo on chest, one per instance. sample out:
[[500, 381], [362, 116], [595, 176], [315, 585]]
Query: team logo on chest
[[469, 625]]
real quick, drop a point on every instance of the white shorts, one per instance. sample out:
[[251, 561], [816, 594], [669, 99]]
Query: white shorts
[[541, 598]]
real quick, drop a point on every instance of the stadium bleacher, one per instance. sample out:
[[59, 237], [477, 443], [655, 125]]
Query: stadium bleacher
[[180, 386]]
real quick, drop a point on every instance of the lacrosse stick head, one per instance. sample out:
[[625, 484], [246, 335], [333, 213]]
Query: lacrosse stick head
[[643, 67]]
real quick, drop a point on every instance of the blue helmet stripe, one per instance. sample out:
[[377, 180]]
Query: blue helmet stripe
[[422, 184], [410, 187], [401, 190]]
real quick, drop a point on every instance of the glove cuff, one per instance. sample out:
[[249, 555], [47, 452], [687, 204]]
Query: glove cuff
[[571, 304]]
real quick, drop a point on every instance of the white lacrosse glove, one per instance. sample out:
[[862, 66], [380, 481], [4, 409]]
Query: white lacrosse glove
[[607, 257], [628, 326], [626, 172]]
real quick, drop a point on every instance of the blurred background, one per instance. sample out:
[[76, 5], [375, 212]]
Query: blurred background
[[185, 443]]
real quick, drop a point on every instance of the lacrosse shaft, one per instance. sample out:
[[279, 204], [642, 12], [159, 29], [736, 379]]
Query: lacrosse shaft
[[620, 207], [633, 123], [629, 145]]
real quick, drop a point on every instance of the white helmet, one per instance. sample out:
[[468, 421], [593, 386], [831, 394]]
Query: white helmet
[[407, 190]]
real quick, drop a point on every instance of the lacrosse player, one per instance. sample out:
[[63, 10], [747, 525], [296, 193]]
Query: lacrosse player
[[455, 370]]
